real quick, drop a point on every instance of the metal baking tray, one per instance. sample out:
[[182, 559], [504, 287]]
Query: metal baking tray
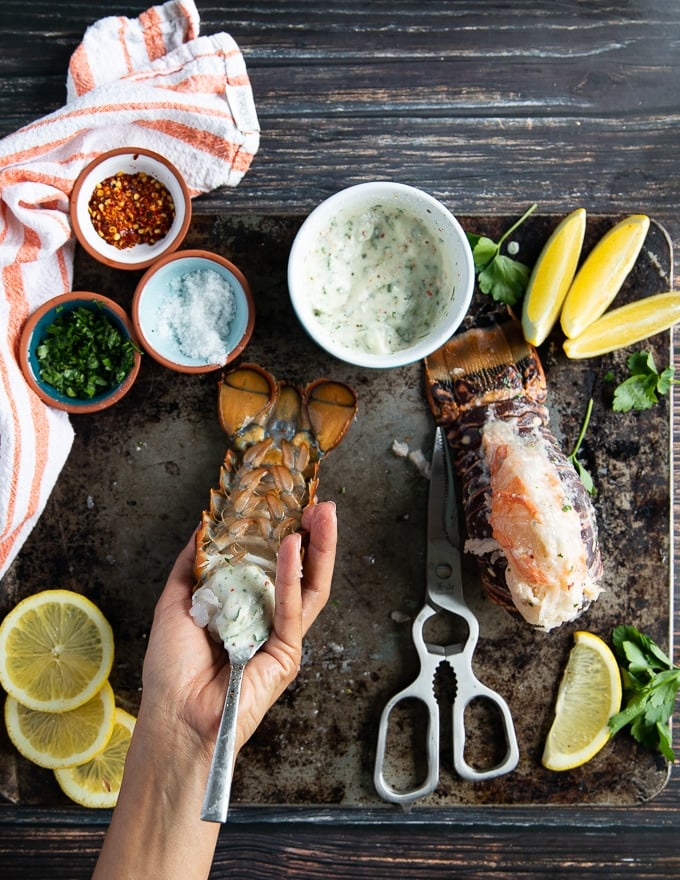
[[139, 476]]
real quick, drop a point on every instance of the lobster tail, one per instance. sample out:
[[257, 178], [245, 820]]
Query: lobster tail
[[530, 521], [277, 435], [480, 367]]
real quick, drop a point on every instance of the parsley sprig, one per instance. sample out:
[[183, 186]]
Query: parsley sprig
[[650, 686], [497, 274], [641, 389], [84, 354], [586, 479]]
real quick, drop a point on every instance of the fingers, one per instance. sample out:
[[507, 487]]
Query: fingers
[[288, 598], [321, 522], [301, 593]]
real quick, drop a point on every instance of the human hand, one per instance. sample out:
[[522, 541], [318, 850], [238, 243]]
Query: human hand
[[157, 821], [186, 673]]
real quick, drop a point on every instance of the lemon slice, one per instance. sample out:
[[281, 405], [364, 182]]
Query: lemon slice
[[56, 651], [551, 277], [626, 325], [588, 695], [96, 783], [62, 739], [600, 277]]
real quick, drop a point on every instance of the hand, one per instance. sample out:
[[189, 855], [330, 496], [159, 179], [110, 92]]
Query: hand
[[156, 822], [185, 672]]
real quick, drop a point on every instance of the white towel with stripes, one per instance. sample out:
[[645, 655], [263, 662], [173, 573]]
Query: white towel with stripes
[[146, 82]]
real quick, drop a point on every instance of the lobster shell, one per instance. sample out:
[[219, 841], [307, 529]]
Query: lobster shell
[[487, 374]]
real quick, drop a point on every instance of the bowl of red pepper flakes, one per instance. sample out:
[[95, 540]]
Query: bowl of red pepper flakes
[[129, 207]]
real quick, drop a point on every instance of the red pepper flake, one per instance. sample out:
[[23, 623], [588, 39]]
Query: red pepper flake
[[129, 209]]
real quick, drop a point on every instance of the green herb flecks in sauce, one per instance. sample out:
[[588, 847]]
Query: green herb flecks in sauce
[[378, 279], [83, 354]]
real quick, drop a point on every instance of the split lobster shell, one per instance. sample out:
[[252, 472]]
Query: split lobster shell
[[529, 518]]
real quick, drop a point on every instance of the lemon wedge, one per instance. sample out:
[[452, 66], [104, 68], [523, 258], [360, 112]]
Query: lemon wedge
[[588, 695], [62, 739], [56, 651], [626, 325], [552, 276], [600, 277], [96, 783]]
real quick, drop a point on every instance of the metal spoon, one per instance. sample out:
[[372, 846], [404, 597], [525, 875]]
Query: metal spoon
[[218, 790]]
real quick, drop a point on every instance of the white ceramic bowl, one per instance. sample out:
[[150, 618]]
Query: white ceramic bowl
[[161, 340], [315, 266], [129, 160]]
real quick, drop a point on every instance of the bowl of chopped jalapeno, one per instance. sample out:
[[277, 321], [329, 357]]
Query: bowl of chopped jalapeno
[[129, 207], [79, 353]]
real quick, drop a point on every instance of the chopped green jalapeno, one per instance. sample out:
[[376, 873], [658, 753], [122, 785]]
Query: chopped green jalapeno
[[84, 354]]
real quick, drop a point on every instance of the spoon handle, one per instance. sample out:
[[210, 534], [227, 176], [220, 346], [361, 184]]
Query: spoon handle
[[216, 799]]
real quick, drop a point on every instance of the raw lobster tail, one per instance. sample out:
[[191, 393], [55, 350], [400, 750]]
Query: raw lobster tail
[[277, 435], [530, 521]]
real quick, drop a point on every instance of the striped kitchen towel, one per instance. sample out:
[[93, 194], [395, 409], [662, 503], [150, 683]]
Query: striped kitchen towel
[[146, 82]]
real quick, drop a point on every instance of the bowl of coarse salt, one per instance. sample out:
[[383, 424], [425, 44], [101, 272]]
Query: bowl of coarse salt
[[193, 311]]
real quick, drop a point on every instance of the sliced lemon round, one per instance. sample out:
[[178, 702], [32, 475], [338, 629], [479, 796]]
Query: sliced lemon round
[[626, 325], [62, 739], [588, 695], [551, 277], [96, 783], [56, 651], [603, 272]]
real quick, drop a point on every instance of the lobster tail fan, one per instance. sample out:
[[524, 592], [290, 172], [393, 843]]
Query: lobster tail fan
[[246, 394], [332, 407]]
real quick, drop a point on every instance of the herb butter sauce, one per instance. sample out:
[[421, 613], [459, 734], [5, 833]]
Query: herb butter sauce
[[237, 607], [378, 280]]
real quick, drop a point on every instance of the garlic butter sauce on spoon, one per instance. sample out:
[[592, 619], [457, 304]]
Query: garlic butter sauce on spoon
[[237, 608], [378, 278]]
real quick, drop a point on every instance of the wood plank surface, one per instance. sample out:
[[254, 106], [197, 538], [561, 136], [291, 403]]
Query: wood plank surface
[[489, 106]]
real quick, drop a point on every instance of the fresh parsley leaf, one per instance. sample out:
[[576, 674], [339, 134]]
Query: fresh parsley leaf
[[503, 277], [650, 687], [83, 354], [640, 391], [586, 479], [483, 250]]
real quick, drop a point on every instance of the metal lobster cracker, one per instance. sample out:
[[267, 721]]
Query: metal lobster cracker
[[444, 594]]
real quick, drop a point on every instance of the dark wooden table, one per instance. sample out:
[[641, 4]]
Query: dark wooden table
[[489, 106]]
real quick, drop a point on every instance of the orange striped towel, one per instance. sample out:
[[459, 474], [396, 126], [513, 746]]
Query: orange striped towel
[[146, 82]]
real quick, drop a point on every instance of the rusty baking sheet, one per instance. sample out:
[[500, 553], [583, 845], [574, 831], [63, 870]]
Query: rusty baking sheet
[[140, 473]]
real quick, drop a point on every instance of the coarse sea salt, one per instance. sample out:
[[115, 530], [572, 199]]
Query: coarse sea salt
[[197, 315]]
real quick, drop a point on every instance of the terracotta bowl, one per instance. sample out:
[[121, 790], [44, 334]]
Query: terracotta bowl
[[183, 292], [35, 331], [129, 161]]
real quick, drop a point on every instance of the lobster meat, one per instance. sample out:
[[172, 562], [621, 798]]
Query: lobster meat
[[277, 435], [530, 521]]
